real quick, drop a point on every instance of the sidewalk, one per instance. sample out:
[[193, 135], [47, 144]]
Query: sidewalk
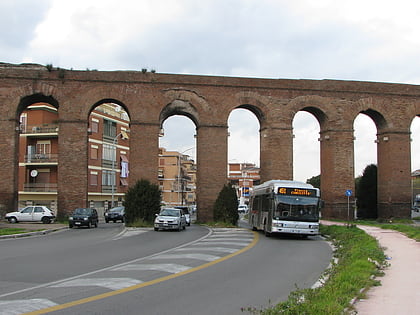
[[399, 292]]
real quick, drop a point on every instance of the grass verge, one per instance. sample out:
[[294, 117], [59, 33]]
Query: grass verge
[[11, 231], [359, 260]]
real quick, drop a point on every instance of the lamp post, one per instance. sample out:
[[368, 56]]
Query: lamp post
[[123, 135]]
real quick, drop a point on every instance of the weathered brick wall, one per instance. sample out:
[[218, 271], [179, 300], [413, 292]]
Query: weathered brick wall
[[150, 98]]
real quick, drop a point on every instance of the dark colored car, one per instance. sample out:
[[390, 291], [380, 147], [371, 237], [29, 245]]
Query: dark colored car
[[115, 214], [84, 217]]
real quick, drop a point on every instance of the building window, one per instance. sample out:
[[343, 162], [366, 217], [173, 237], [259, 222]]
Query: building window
[[93, 179], [108, 152], [94, 125], [94, 152], [43, 147], [110, 128], [108, 178]]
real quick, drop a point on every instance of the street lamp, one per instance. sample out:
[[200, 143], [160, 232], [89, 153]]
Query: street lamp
[[123, 135]]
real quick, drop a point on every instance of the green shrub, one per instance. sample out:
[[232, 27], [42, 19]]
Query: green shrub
[[225, 208], [141, 203]]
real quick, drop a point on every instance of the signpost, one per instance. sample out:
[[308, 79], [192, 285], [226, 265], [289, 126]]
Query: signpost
[[348, 194]]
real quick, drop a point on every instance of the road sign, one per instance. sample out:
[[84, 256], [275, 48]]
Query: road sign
[[349, 192]]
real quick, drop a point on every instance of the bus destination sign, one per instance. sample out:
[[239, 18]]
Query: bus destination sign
[[296, 191]]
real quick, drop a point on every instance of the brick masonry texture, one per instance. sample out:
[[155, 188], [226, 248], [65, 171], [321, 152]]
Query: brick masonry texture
[[150, 98]]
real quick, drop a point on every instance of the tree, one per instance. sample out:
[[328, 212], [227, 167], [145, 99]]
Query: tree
[[314, 181], [142, 201], [226, 206], [367, 193]]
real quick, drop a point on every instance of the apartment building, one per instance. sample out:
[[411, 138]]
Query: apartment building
[[108, 156], [38, 156], [177, 178], [243, 176]]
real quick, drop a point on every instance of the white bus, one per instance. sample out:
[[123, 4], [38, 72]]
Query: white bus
[[283, 206]]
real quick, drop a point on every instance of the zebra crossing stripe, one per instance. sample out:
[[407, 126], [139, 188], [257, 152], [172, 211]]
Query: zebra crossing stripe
[[204, 257], [110, 283], [208, 248], [210, 242], [211, 239], [170, 268], [14, 307]]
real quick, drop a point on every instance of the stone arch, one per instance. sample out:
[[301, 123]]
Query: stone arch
[[377, 118], [109, 100], [179, 107], [35, 98]]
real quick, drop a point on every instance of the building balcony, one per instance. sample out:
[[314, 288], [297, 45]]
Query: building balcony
[[40, 187], [42, 158], [42, 129]]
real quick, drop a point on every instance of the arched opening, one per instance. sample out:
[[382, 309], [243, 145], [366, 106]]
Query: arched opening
[[306, 148], [365, 160], [38, 151], [415, 165], [108, 155], [177, 161], [243, 152], [365, 151]]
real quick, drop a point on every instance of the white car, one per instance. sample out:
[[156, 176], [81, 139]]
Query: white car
[[243, 209], [170, 219], [31, 214]]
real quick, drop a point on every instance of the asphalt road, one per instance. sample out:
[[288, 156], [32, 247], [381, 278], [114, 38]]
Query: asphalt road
[[197, 271]]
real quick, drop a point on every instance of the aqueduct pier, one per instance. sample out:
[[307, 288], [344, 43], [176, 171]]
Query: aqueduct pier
[[150, 98]]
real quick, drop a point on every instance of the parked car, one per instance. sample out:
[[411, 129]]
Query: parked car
[[115, 214], [186, 212], [84, 217], [170, 219], [31, 214], [243, 209]]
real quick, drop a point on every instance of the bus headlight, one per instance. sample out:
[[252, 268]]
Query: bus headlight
[[313, 226], [279, 224]]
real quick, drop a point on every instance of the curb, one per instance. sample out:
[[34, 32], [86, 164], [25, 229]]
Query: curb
[[27, 234]]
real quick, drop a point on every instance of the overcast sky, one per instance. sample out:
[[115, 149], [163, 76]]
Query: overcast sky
[[365, 40]]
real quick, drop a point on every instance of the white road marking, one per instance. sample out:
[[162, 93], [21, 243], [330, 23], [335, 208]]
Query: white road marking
[[214, 249], [171, 268], [212, 239], [129, 232], [110, 283], [210, 242], [204, 257], [14, 307]]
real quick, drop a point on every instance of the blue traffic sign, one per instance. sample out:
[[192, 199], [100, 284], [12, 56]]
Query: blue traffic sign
[[349, 192]]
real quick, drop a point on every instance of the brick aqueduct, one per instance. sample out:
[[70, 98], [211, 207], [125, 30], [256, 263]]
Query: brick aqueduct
[[150, 98]]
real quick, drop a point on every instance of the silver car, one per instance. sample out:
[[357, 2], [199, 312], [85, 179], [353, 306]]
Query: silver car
[[170, 219]]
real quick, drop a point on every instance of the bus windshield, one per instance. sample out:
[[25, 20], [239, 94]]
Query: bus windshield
[[292, 208]]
